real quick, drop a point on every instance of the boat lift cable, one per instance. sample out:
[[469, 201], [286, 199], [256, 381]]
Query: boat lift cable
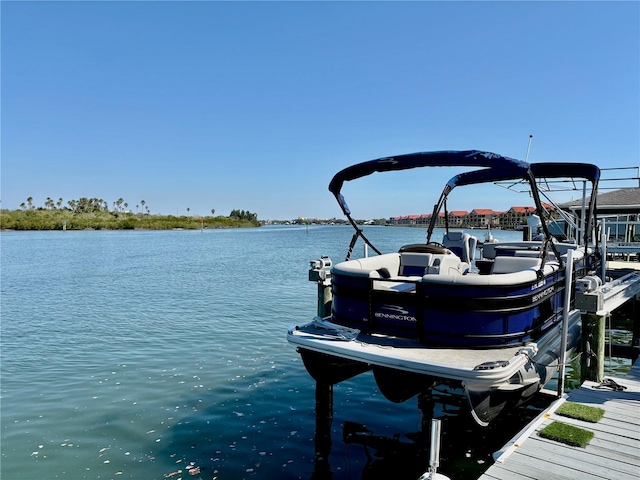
[[565, 216]]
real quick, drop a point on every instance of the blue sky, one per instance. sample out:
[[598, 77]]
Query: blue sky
[[256, 105]]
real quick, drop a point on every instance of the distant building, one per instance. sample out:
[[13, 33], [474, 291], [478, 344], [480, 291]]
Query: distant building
[[458, 218], [483, 218], [512, 219], [515, 217], [620, 210]]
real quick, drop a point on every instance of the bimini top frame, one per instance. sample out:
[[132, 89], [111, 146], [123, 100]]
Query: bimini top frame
[[542, 170], [496, 168], [465, 158]]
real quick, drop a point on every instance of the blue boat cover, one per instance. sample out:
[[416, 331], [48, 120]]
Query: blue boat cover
[[463, 158], [540, 170], [565, 169]]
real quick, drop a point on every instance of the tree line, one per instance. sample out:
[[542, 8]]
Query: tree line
[[84, 205], [96, 214], [244, 215]]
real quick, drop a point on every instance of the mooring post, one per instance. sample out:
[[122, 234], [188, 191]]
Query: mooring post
[[635, 314], [324, 299], [565, 322], [427, 405], [320, 272], [593, 337], [434, 454], [603, 256]]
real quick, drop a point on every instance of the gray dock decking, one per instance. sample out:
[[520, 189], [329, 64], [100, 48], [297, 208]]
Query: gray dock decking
[[613, 453]]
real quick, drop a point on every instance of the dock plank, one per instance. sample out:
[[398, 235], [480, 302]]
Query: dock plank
[[540, 469], [611, 445], [503, 474], [585, 459], [614, 452], [627, 430]]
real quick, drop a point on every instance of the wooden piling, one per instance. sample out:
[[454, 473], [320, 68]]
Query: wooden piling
[[324, 418], [635, 342], [325, 297], [593, 341]]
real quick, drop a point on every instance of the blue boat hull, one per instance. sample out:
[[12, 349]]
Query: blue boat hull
[[451, 315]]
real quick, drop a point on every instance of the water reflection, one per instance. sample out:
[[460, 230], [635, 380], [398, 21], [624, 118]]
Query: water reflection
[[466, 449], [322, 439]]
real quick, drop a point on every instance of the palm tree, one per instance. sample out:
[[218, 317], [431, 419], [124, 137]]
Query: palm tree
[[59, 204], [30, 202], [213, 211], [188, 210]]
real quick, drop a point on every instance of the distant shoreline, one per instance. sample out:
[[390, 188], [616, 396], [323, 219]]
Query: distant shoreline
[[122, 229], [56, 219]]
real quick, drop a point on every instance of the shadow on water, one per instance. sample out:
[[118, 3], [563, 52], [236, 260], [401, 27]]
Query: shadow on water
[[325, 436], [466, 448], [288, 426], [263, 429]]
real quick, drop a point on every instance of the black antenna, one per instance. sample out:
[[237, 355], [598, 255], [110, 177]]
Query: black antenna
[[528, 148]]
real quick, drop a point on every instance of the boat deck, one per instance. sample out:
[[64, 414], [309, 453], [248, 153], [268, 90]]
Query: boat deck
[[411, 356], [614, 451]]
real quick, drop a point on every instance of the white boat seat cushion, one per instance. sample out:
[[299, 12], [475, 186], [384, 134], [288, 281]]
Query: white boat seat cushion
[[514, 264], [413, 263]]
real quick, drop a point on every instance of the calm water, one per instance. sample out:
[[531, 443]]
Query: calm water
[[141, 354]]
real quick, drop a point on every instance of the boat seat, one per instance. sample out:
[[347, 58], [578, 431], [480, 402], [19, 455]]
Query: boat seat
[[461, 243], [515, 252], [514, 264], [491, 250], [412, 263]]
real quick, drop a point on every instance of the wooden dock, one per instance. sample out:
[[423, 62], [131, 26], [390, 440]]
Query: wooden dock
[[613, 453]]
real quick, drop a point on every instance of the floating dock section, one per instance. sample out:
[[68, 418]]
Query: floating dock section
[[613, 452]]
